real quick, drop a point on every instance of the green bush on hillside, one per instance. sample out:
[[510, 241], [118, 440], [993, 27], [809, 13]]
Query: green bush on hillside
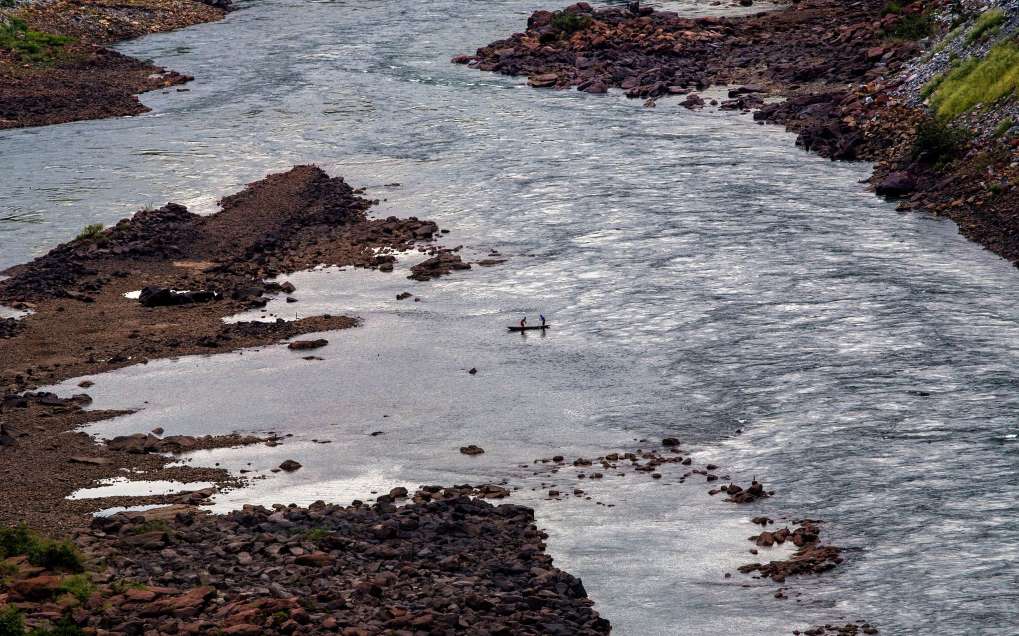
[[570, 23], [53, 555], [912, 27], [11, 623], [892, 7], [977, 81], [1004, 126], [937, 142], [987, 22], [89, 232]]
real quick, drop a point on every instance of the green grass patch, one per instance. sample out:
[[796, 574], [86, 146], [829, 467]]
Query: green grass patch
[[52, 555], [1004, 126], [79, 586], [11, 623], [316, 534], [912, 27], [90, 232], [892, 7], [29, 45], [977, 81], [988, 22], [570, 23]]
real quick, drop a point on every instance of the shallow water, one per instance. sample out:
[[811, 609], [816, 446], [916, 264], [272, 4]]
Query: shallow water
[[702, 276]]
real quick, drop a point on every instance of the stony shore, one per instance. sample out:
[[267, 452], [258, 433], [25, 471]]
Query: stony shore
[[864, 80], [447, 563], [55, 66]]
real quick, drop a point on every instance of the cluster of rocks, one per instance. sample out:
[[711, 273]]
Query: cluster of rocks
[[448, 565], [645, 461], [848, 629], [141, 443], [651, 53], [811, 558], [444, 262]]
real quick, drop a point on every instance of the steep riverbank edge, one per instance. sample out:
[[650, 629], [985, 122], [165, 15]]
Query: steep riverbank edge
[[859, 81], [56, 67]]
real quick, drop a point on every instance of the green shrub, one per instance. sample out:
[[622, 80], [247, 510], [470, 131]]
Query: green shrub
[[79, 586], [978, 81], [912, 27], [892, 7], [988, 22], [52, 555], [11, 623], [29, 45], [316, 534], [89, 232], [936, 141], [1004, 126], [570, 23]]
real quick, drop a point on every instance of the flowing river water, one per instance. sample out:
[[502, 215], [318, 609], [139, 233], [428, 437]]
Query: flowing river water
[[705, 279]]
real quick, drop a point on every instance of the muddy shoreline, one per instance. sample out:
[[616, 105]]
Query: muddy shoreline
[[77, 77], [84, 322]]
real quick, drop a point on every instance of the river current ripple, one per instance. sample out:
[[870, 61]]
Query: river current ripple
[[704, 276]]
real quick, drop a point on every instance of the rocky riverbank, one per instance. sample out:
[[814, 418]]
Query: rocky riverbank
[[925, 90], [445, 564], [55, 66]]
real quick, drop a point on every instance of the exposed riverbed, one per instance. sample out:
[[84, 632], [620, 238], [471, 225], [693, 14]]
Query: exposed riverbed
[[703, 276]]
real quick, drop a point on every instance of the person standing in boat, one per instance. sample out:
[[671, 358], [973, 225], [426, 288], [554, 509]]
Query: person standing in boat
[[542, 319], [523, 322]]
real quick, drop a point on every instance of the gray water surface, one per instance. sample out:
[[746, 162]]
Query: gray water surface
[[703, 275]]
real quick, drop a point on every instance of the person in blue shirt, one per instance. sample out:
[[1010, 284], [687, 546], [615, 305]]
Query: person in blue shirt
[[542, 319]]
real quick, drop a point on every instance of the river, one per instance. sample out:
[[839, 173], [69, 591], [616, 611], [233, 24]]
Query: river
[[705, 279]]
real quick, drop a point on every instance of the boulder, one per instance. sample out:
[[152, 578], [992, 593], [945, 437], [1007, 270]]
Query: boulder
[[896, 184], [304, 345], [165, 297]]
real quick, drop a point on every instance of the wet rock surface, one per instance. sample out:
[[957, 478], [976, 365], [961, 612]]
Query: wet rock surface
[[810, 558], [454, 565], [445, 262]]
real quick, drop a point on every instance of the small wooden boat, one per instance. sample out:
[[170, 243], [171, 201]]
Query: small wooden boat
[[529, 328]]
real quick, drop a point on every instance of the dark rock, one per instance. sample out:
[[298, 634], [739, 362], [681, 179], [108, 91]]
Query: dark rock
[[304, 345]]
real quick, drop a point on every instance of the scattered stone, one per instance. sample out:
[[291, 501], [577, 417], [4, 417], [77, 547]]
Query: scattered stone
[[304, 345]]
